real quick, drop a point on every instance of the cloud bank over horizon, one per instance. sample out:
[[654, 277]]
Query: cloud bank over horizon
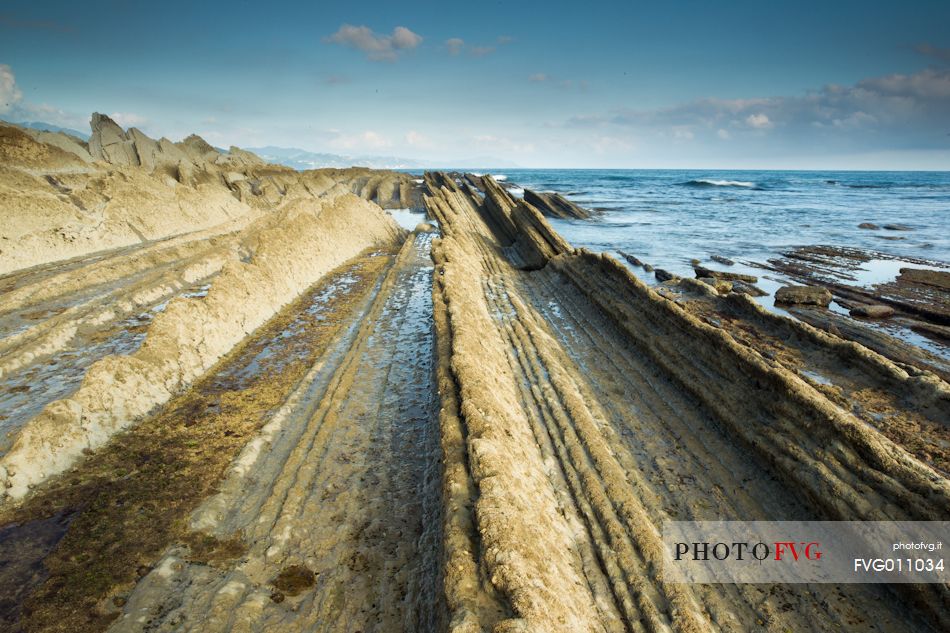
[[893, 112]]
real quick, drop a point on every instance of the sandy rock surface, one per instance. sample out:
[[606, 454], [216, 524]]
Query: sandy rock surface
[[92, 233], [61, 197], [331, 424]]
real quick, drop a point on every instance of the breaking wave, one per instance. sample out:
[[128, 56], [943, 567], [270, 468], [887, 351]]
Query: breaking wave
[[720, 183]]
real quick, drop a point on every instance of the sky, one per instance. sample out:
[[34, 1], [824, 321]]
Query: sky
[[732, 85]]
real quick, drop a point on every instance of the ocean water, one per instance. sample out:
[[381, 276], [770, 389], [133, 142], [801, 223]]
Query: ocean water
[[668, 217]]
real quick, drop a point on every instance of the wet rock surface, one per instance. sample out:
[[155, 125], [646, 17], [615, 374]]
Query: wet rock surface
[[664, 275], [916, 289], [725, 261], [633, 259]]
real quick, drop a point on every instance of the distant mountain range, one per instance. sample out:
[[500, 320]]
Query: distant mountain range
[[49, 127], [303, 159]]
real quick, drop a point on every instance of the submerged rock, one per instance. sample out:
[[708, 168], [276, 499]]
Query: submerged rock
[[725, 261], [803, 295], [897, 227], [555, 205], [633, 259], [869, 226]]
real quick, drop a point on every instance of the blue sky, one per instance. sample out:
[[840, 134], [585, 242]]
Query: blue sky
[[860, 85]]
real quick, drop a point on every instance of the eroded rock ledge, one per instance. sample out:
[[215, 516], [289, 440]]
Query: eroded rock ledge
[[62, 198], [555, 205], [124, 224], [547, 347]]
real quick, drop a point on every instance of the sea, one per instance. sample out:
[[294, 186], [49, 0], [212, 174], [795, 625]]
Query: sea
[[669, 217]]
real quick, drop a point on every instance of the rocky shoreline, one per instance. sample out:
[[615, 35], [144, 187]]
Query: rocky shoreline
[[323, 421]]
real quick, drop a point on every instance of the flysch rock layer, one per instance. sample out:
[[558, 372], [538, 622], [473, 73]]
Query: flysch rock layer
[[61, 197], [577, 411], [89, 223], [293, 248], [873, 386], [591, 409], [555, 205]]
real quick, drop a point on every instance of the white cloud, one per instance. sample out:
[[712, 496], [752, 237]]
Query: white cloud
[[376, 47], [538, 77], [856, 120], [15, 108], [758, 121], [26, 111], [403, 38], [454, 45], [416, 139], [610, 145], [683, 133], [499, 143], [926, 84], [363, 141], [10, 95], [723, 134], [129, 119]]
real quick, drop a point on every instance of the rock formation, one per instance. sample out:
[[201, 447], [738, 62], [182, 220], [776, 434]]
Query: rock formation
[[811, 295], [330, 423], [554, 205], [123, 188], [141, 222], [702, 271]]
